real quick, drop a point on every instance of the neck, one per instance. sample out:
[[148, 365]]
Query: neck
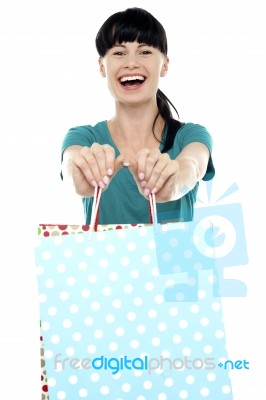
[[132, 124]]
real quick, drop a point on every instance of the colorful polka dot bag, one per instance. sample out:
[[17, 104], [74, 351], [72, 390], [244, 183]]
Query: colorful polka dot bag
[[48, 230], [131, 314]]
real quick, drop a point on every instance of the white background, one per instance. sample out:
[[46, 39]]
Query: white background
[[49, 82]]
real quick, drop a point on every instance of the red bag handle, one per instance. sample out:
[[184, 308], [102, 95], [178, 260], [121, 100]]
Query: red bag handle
[[96, 204]]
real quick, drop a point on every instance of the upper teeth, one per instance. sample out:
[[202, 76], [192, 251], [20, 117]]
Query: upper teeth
[[132, 78]]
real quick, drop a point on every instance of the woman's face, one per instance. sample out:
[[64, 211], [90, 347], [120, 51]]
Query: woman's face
[[133, 70]]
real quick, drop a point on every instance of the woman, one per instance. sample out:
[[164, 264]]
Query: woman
[[142, 149]]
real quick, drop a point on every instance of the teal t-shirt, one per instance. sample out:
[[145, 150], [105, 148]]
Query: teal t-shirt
[[121, 202]]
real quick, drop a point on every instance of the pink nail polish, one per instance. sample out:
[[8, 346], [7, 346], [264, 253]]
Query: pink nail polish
[[101, 184], [109, 171], [146, 192], [155, 190], [106, 180], [141, 176], [143, 183], [94, 183]]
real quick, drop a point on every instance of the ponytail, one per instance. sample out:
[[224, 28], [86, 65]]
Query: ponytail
[[171, 124]]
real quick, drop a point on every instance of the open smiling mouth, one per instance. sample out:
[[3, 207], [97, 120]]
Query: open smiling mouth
[[130, 81]]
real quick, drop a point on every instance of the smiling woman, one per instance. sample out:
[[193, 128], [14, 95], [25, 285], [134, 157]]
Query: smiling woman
[[164, 156]]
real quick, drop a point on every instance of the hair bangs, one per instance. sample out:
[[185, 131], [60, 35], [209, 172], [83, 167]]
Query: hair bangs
[[132, 25]]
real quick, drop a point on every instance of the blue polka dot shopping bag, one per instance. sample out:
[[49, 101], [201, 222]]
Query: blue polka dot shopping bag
[[131, 314]]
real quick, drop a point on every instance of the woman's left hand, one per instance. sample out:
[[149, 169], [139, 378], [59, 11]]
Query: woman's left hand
[[155, 172]]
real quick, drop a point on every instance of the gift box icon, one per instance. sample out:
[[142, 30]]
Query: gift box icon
[[214, 240]]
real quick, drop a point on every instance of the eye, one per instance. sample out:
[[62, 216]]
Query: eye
[[146, 52], [118, 53]]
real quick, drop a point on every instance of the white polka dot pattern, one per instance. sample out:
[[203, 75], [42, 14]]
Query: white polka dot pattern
[[103, 301]]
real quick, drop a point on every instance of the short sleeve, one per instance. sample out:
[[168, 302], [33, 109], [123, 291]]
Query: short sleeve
[[80, 136], [190, 133]]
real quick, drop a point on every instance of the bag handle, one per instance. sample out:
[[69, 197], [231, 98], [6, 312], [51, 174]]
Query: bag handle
[[153, 209], [95, 209], [96, 204]]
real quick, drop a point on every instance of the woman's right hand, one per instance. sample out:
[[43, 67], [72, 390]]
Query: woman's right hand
[[88, 167]]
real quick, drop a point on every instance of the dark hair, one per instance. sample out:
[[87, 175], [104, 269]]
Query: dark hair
[[136, 24]]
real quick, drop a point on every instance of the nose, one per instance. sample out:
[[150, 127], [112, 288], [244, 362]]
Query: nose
[[131, 61]]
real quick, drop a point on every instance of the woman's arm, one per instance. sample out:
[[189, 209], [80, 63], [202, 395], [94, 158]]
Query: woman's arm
[[193, 162], [170, 179]]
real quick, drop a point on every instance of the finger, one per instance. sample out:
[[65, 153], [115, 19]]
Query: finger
[[91, 163], [159, 168], [109, 160], [141, 163], [151, 160], [133, 168], [81, 168], [98, 164], [170, 170]]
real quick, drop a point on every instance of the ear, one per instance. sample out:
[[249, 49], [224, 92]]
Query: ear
[[102, 69], [164, 67]]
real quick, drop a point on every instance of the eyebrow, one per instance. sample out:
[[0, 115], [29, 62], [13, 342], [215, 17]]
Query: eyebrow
[[140, 45]]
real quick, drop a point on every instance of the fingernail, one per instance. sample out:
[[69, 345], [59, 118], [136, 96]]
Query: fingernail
[[155, 190], [94, 183], [101, 184], [146, 192], [143, 183], [141, 176], [109, 171], [106, 180]]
